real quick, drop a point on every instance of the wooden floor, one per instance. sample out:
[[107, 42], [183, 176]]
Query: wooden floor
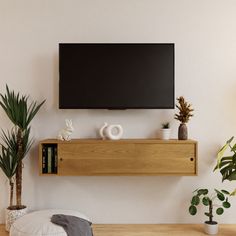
[[152, 230]]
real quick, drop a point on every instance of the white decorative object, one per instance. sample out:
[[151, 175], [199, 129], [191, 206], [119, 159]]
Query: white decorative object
[[39, 223], [12, 216], [165, 134], [102, 130], [113, 132], [65, 134], [211, 228]]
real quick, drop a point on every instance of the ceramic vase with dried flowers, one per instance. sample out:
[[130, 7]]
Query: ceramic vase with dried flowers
[[185, 112]]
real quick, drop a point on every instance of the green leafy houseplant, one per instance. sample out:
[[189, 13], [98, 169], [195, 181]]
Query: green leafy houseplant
[[227, 164], [16, 142], [209, 200], [165, 131], [165, 125], [8, 164]]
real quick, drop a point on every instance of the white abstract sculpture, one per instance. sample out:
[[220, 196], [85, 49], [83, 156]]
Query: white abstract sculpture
[[107, 131], [65, 133]]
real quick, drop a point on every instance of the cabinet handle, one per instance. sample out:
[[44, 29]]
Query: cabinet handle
[[191, 159], [61, 159]]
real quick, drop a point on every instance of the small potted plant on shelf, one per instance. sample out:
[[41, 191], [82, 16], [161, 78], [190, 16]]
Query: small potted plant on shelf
[[210, 201], [165, 131], [185, 112], [15, 145]]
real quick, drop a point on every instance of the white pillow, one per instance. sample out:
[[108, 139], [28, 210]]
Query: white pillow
[[39, 223]]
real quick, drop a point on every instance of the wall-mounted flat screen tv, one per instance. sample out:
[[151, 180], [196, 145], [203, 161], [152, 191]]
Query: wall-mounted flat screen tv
[[116, 76]]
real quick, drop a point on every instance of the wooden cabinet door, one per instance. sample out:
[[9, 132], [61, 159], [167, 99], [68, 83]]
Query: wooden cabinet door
[[126, 158], [166, 158]]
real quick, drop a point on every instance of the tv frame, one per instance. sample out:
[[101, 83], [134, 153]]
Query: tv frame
[[120, 107]]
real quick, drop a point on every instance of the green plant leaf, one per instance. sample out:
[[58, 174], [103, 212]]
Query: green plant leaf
[[226, 170], [8, 162], [227, 158], [226, 204], [17, 109], [192, 210], [202, 192], [220, 195], [230, 140], [220, 211], [195, 190], [231, 175], [222, 151], [224, 161], [206, 201], [233, 148], [225, 192], [195, 200], [234, 158]]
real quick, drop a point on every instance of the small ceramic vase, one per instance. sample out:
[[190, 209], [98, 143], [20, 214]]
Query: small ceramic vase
[[165, 134], [183, 132]]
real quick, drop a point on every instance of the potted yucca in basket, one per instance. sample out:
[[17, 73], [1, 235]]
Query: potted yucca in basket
[[15, 145]]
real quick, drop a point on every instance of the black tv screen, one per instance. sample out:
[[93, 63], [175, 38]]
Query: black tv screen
[[116, 76]]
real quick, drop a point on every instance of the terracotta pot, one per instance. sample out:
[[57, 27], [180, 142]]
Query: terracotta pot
[[12, 216], [211, 227], [183, 132]]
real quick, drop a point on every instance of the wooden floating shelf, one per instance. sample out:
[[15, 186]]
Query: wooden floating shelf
[[95, 157]]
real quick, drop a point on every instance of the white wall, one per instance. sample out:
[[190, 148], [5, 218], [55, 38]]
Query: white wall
[[205, 37]]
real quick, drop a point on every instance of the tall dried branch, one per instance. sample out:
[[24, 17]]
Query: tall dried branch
[[185, 110]]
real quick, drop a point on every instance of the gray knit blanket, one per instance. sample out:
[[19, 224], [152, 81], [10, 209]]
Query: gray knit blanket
[[74, 226]]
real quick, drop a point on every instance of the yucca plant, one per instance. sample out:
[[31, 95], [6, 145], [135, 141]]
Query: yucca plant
[[8, 164], [21, 112]]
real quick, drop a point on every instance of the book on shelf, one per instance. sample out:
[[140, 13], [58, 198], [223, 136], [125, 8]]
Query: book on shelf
[[55, 159], [44, 160], [49, 164], [49, 158]]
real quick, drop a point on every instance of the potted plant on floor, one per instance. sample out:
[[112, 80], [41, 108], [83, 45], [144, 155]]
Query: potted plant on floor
[[185, 113], [8, 164], [16, 142], [165, 131], [210, 200]]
